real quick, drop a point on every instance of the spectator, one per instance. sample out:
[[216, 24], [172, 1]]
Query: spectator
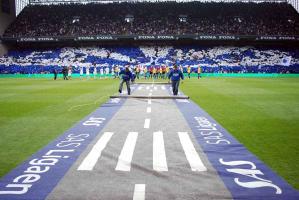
[[156, 18]]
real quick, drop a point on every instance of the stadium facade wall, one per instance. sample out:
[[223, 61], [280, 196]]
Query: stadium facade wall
[[37, 42], [5, 20]]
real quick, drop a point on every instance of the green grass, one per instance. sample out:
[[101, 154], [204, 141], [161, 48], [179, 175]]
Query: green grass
[[262, 113], [33, 112]]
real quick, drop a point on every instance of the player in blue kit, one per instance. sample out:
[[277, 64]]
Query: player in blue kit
[[175, 75], [126, 77]]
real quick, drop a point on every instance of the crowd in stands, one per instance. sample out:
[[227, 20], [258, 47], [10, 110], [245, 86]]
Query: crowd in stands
[[156, 18], [218, 59]]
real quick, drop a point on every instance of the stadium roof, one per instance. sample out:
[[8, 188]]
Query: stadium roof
[[294, 3], [108, 1]]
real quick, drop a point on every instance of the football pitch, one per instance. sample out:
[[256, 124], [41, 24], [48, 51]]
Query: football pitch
[[262, 113]]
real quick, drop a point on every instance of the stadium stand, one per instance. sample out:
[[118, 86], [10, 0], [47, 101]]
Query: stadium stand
[[154, 18], [197, 21], [220, 59]]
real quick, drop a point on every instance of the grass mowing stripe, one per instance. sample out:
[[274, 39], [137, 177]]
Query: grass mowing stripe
[[262, 113]]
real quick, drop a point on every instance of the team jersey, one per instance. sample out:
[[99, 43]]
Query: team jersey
[[107, 70], [126, 75], [175, 75], [167, 69], [163, 69]]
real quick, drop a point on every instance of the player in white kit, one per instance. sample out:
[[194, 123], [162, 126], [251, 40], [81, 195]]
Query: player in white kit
[[101, 72], [69, 74], [87, 71], [112, 71], [107, 72], [81, 71], [95, 71]]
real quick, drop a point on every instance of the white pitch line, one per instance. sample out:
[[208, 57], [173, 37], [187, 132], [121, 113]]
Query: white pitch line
[[149, 101], [139, 192], [147, 123], [95, 153], [148, 109], [194, 160], [159, 156], [126, 155]]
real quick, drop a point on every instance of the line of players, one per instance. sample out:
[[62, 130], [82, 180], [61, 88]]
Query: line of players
[[151, 72]]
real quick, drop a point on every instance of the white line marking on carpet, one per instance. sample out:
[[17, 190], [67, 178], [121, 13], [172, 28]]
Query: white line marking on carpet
[[194, 160], [147, 123], [182, 100], [126, 155], [139, 192], [159, 156], [95, 153]]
